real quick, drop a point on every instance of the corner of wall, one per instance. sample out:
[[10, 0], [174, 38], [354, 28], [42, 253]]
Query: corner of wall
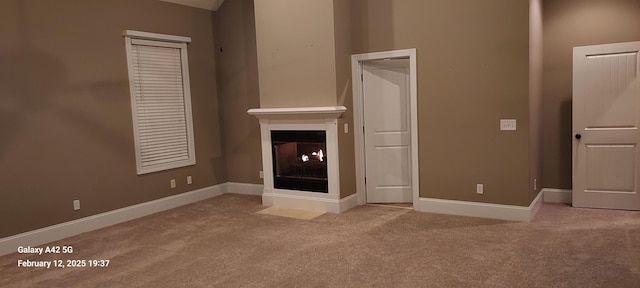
[[343, 50], [535, 97]]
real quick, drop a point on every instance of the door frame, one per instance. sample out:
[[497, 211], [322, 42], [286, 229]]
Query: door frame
[[357, 62]]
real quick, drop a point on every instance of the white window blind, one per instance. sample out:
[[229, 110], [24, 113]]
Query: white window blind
[[161, 106]]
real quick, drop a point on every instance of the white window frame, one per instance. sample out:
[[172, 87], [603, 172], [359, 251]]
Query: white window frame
[[170, 41]]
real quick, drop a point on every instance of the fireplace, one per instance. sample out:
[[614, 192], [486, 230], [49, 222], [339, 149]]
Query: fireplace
[[299, 160]]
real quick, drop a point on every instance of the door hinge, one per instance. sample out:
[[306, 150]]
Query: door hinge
[[365, 180]]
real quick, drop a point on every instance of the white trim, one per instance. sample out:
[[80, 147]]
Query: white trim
[[477, 209], [301, 118], [358, 117], [156, 43], [536, 204], [309, 202], [244, 188], [557, 195], [159, 40], [49, 234], [348, 203], [155, 36], [298, 112]]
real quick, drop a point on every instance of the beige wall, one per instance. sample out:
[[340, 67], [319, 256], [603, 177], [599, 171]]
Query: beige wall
[[296, 53], [535, 97], [67, 131], [237, 70], [473, 70], [65, 112], [567, 24], [304, 59]]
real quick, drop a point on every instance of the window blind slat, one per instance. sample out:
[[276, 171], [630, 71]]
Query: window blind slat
[[164, 112], [157, 57], [158, 120], [158, 73], [161, 79], [159, 137], [165, 153], [174, 147], [168, 113], [149, 129], [153, 124], [164, 96], [164, 161], [167, 146], [160, 146], [159, 126], [162, 133], [156, 161], [168, 107]]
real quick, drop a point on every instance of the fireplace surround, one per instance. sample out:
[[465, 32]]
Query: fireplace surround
[[289, 122]]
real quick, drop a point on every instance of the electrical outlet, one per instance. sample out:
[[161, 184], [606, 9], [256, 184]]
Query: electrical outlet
[[189, 180], [76, 205], [173, 183], [480, 189], [261, 174], [508, 124], [346, 128]]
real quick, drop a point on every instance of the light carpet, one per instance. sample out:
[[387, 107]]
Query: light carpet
[[223, 242], [291, 213]]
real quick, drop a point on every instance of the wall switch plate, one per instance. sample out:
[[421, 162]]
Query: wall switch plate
[[261, 174], [480, 189], [76, 205], [189, 180], [508, 124], [173, 183], [346, 128]]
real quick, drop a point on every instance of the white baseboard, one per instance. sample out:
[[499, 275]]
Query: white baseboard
[[557, 195], [244, 188], [49, 234], [477, 209], [347, 203], [536, 204]]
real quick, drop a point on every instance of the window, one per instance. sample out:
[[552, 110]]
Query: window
[[160, 100]]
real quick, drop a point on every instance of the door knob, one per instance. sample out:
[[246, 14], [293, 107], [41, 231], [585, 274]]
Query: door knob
[[578, 136]]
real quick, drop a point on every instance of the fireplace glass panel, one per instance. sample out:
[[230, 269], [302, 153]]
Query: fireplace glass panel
[[299, 160]]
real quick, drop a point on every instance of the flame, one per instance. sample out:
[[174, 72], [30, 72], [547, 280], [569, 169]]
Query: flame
[[318, 154]]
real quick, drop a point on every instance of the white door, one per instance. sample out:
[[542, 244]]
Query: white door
[[387, 135], [606, 108]]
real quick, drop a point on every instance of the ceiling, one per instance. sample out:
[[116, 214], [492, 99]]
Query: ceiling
[[212, 5]]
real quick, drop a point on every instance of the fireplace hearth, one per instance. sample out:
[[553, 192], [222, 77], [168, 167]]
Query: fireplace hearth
[[299, 160]]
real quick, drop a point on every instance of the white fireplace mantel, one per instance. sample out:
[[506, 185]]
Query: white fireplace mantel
[[302, 118], [326, 112]]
